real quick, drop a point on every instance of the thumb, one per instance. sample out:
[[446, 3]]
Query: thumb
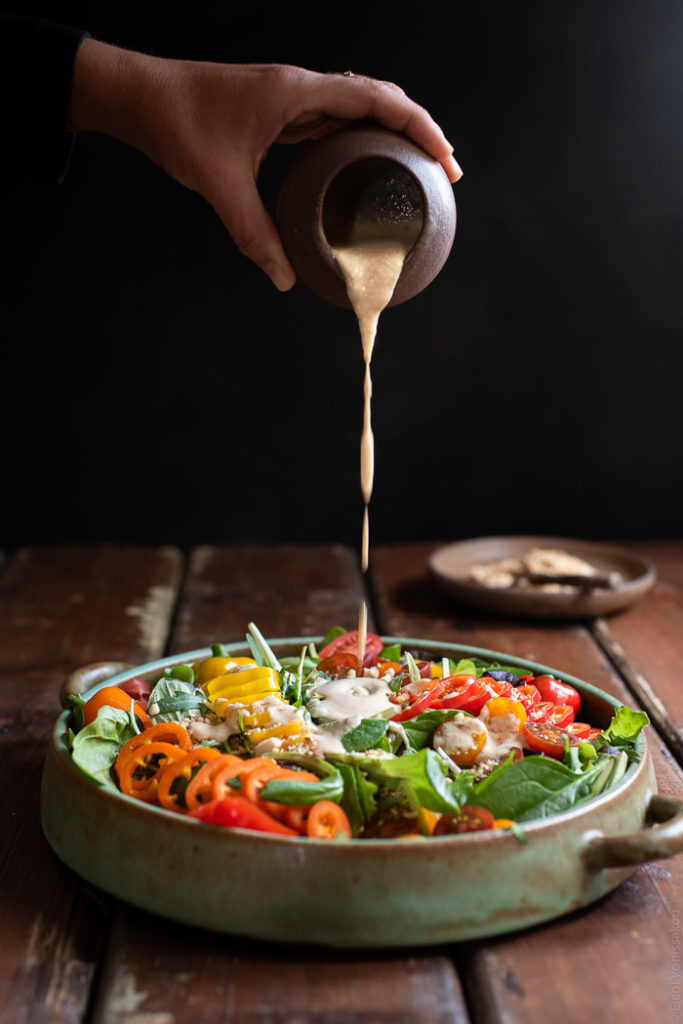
[[240, 208]]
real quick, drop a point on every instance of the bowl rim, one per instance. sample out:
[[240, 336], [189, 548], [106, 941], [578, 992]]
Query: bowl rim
[[60, 748]]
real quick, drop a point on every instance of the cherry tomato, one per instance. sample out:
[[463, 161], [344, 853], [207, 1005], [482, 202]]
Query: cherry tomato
[[557, 692], [529, 696], [579, 729], [326, 820], [339, 663], [593, 734], [423, 701], [560, 714], [139, 690], [540, 711], [542, 738], [347, 643], [457, 690], [498, 706], [470, 819]]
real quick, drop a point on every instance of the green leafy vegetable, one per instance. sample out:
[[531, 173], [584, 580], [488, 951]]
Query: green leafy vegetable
[[96, 746], [172, 700], [366, 734]]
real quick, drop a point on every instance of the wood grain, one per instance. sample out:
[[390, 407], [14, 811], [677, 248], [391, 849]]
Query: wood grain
[[174, 975], [623, 946], [59, 608]]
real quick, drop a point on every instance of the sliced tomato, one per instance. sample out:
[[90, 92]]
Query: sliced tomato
[[560, 714], [470, 819], [593, 734], [529, 695], [557, 692], [540, 711], [339, 663], [579, 729], [543, 738], [327, 820], [347, 643], [421, 703], [237, 812]]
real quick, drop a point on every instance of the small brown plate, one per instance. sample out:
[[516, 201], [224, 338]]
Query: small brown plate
[[450, 564]]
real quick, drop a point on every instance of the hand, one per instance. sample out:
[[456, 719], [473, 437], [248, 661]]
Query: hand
[[210, 126]]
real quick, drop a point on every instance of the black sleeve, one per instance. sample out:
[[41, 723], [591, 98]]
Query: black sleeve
[[36, 67]]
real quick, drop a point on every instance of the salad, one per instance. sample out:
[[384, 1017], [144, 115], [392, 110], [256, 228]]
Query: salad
[[321, 746]]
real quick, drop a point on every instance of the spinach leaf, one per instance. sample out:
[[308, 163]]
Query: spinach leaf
[[419, 730], [290, 791], [96, 746], [391, 653], [358, 800], [535, 787], [366, 735], [425, 773]]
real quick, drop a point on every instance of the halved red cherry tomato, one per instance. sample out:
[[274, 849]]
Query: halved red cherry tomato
[[139, 690], [579, 729], [470, 819], [237, 812], [542, 738], [529, 695], [557, 692], [339, 663], [347, 643], [424, 701], [327, 820], [593, 734], [540, 711], [560, 714]]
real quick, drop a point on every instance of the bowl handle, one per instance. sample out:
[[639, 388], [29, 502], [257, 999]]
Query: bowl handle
[[664, 839], [83, 678]]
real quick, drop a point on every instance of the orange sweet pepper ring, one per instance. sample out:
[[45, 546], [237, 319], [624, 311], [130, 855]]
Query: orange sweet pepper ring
[[181, 769], [139, 771], [163, 732], [199, 790]]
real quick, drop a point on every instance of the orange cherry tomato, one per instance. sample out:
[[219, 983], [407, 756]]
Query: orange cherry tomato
[[498, 706], [113, 697], [327, 820]]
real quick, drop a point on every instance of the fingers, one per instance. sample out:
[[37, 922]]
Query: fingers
[[352, 97], [240, 208]]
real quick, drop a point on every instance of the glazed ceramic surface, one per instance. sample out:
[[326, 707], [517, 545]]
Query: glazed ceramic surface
[[450, 564], [302, 199], [362, 893]]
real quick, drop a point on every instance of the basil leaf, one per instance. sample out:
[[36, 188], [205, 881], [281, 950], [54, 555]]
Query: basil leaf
[[366, 735], [289, 791], [95, 747]]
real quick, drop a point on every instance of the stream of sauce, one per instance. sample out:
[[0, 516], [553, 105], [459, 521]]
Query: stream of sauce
[[372, 260]]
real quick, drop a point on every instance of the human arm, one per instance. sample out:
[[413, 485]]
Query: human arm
[[211, 125]]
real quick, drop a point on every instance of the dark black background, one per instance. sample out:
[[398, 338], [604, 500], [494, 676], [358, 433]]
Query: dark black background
[[157, 388]]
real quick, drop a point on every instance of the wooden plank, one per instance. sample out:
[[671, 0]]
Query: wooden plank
[[174, 975], [615, 958], [645, 642], [60, 608]]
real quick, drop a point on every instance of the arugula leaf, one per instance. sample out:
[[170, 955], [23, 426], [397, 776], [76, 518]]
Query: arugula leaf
[[174, 700], [96, 746], [366, 734]]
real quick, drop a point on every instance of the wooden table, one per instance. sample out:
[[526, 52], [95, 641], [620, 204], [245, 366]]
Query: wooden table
[[72, 954]]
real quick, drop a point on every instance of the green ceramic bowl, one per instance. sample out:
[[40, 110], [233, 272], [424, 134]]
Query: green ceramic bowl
[[365, 893]]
